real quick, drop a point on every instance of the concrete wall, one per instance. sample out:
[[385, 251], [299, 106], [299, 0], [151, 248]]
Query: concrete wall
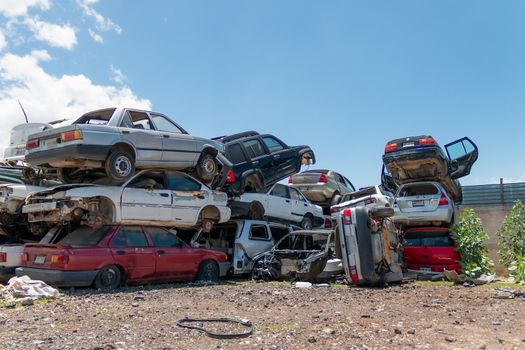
[[492, 217]]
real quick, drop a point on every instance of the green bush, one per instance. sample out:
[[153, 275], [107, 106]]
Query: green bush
[[511, 242], [471, 239]]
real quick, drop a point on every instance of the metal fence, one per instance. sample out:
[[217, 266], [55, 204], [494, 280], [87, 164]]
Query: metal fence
[[493, 194]]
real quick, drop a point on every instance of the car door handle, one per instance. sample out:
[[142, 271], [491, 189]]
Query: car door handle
[[160, 252], [166, 136], [125, 131], [255, 162], [287, 201], [120, 252], [305, 204], [200, 196], [277, 156], [164, 194]]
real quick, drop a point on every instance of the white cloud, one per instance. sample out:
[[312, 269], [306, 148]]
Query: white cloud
[[102, 23], [46, 97], [95, 36], [117, 76], [54, 34], [14, 8], [3, 42]]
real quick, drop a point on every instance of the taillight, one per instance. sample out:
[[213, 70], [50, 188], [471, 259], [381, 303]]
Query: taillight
[[24, 257], [3, 257], [427, 141], [353, 274], [290, 180], [390, 147], [59, 259], [334, 210], [32, 143], [443, 199], [370, 201], [327, 223], [231, 177], [323, 178], [71, 135], [347, 216]]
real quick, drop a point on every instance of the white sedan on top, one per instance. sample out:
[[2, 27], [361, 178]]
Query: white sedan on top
[[151, 197], [282, 203]]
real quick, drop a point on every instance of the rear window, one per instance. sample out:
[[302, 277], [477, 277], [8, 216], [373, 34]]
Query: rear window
[[85, 236], [418, 190], [428, 239], [101, 117]]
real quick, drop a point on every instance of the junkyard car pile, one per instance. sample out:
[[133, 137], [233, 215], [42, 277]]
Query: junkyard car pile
[[128, 196]]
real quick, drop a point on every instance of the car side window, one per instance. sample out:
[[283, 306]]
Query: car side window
[[295, 194], [129, 236], [339, 178], [235, 153], [149, 180], [259, 232], [163, 124], [280, 191], [273, 144], [254, 148], [163, 238], [181, 182], [140, 120], [348, 183]]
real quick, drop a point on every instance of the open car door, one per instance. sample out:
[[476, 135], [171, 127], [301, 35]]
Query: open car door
[[462, 153]]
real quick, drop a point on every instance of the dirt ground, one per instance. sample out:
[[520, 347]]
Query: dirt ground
[[427, 316]]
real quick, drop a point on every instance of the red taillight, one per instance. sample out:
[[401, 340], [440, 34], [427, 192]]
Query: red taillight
[[59, 259], [334, 210], [231, 177], [290, 180], [24, 257], [443, 199], [427, 141], [3, 257], [33, 143], [353, 274], [370, 201], [347, 216], [323, 178], [327, 223], [390, 147], [71, 135]]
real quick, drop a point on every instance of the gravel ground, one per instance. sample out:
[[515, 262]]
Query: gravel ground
[[406, 316]]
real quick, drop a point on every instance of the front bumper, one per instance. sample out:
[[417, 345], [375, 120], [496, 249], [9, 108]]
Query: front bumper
[[71, 154], [59, 278], [223, 268]]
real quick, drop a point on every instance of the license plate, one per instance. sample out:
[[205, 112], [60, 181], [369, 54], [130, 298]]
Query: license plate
[[419, 203], [31, 208], [425, 269], [40, 259], [408, 144]]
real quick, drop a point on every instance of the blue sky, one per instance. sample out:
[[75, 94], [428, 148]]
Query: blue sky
[[341, 76]]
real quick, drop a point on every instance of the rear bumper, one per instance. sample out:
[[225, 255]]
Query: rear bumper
[[416, 153], [6, 273], [432, 269], [444, 215], [223, 268], [59, 278], [70, 153]]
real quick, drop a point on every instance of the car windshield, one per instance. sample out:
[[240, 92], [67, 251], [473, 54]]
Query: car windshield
[[84, 236], [100, 117]]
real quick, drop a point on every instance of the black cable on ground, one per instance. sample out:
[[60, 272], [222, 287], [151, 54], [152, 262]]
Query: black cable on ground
[[184, 323]]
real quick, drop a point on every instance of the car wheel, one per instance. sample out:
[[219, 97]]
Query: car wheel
[[120, 165], [335, 199], [307, 223], [256, 211], [382, 212], [108, 278], [207, 167], [208, 271]]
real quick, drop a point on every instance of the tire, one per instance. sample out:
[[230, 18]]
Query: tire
[[208, 271], [307, 222], [120, 165], [108, 278], [335, 199], [382, 212], [207, 167], [256, 211]]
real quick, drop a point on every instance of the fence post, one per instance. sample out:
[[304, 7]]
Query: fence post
[[501, 194]]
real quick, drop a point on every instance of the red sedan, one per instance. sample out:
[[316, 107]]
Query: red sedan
[[112, 255]]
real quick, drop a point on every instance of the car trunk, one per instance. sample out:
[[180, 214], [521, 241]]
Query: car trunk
[[418, 197], [44, 256], [428, 248], [306, 178]]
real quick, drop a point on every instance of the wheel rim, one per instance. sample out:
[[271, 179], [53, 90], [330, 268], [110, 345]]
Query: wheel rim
[[208, 272], [307, 225], [108, 278], [122, 166], [208, 165]]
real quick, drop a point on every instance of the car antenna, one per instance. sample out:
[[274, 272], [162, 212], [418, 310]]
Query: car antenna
[[23, 111]]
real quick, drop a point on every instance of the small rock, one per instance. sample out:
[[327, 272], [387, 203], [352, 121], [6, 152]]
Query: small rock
[[140, 297], [312, 339], [411, 331], [482, 347], [27, 301], [135, 304], [366, 316], [451, 339], [496, 323], [329, 331], [398, 331]]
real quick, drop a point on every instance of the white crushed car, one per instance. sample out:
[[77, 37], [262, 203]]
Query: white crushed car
[[151, 197]]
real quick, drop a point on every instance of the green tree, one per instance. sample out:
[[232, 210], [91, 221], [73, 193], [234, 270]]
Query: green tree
[[511, 242], [471, 240]]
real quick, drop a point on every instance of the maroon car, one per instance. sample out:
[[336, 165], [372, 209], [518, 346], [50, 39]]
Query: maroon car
[[112, 255], [430, 249]]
